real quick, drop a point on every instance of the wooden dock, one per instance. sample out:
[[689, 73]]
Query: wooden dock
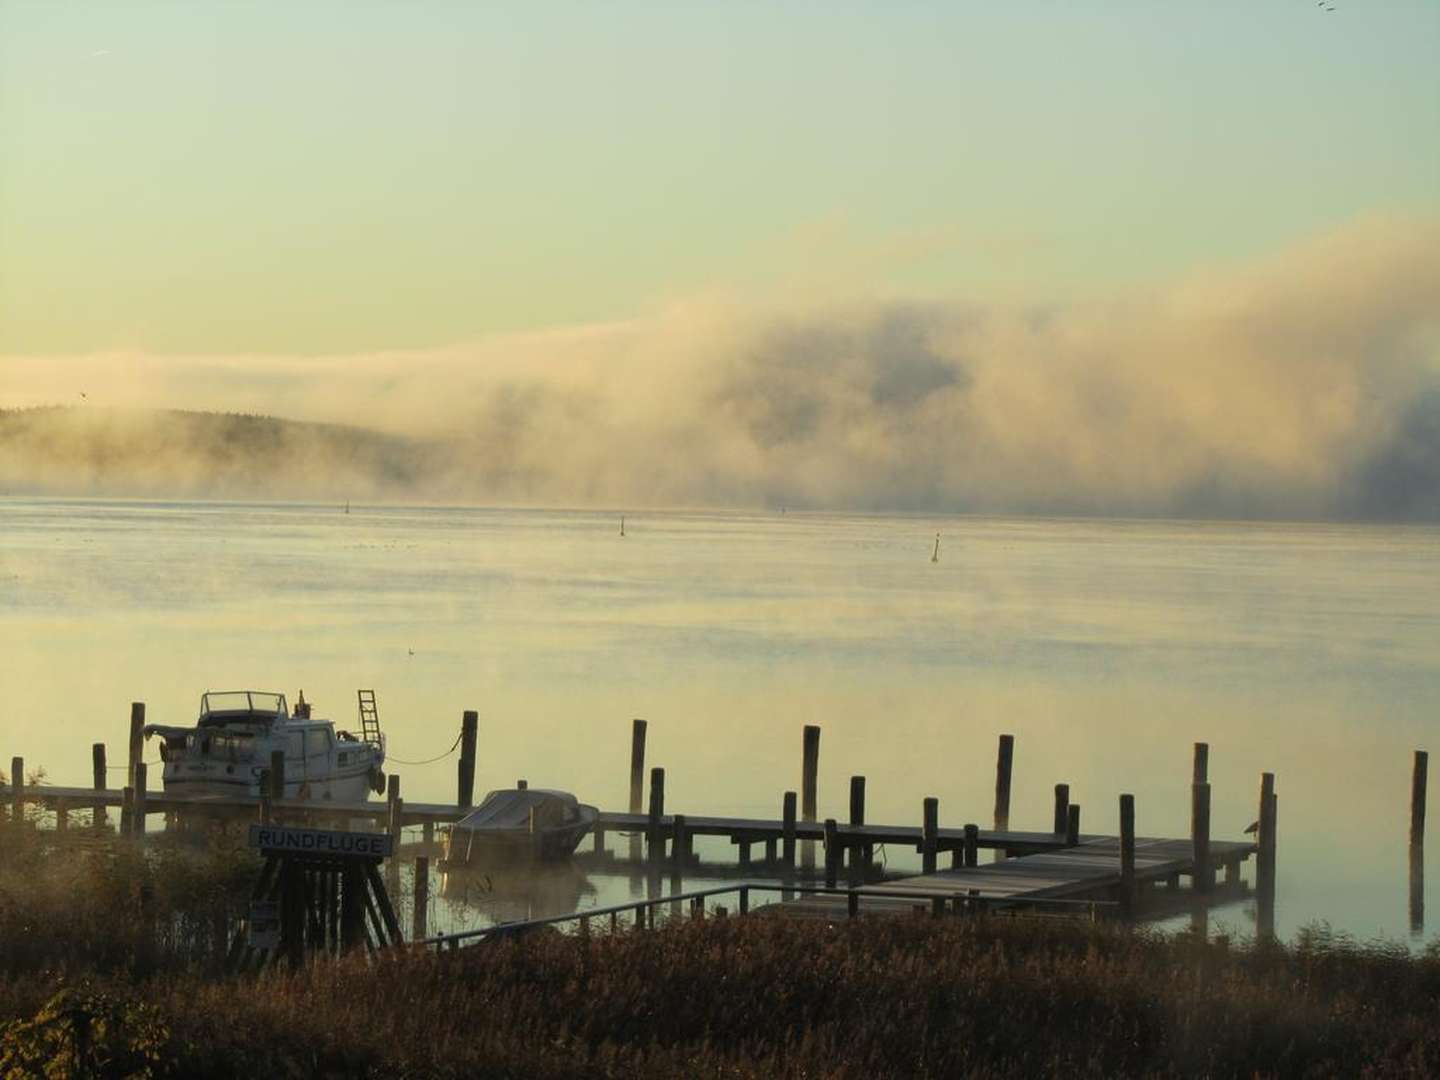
[[1089, 871]]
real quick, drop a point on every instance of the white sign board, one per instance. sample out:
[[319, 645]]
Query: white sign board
[[283, 840]]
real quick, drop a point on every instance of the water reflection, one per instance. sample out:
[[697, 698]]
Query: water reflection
[[480, 897]]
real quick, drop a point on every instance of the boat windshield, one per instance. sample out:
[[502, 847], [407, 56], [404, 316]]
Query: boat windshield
[[223, 707]]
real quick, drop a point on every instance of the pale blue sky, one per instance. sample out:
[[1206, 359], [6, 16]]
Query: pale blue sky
[[329, 177]]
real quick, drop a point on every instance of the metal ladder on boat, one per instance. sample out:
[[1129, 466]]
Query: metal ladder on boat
[[369, 717]]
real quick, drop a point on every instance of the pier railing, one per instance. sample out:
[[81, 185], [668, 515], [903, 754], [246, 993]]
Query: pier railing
[[939, 902]]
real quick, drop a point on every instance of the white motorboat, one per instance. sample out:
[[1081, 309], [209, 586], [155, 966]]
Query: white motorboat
[[228, 751]]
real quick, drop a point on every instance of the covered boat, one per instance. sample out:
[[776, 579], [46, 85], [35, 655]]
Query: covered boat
[[519, 823], [229, 750]]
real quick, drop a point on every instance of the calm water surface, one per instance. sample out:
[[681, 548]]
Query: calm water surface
[[1106, 647]]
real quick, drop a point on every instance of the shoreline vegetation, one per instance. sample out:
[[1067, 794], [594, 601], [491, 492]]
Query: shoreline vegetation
[[111, 957]]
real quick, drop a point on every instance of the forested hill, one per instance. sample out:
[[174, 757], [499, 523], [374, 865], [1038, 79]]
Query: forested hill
[[65, 451]]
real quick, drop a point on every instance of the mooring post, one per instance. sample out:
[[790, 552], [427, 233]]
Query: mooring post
[[1201, 764], [142, 783], [127, 811], [809, 781], [1417, 841], [17, 790], [395, 809], [469, 731], [1204, 876], [1004, 759], [62, 815], [421, 898], [972, 845], [680, 841], [653, 836], [137, 740], [522, 785], [277, 775], [1062, 808], [1072, 825], [832, 852], [1265, 860], [98, 781], [787, 826], [637, 766], [857, 817], [1127, 855], [930, 834]]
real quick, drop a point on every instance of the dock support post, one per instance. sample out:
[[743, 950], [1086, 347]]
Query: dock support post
[[1072, 825], [1203, 878], [972, 845], [653, 837], [929, 837], [395, 807], [857, 817], [1418, 780], [787, 834], [637, 765], [1265, 861], [17, 791], [98, 781], [62, 816], [1201, 765], [469, 732], [127, 811], [142, 783], [1062, 809], [809, 781], [1004, 759], [1127, 855], [137, 740], [832, 853], [419, 916]]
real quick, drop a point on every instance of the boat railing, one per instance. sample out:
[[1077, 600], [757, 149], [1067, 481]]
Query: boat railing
[[242, 703], [939, 901]]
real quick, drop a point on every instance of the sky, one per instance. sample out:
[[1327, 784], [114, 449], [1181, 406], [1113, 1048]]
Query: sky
[[295, 205]]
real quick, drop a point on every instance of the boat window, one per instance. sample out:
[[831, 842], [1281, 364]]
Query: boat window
[[233, 746], [317, 741]]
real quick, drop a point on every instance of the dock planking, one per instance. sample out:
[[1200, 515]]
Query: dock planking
[[1089, 870]]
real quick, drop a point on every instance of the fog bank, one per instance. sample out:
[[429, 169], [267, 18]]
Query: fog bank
[[1303, 385]]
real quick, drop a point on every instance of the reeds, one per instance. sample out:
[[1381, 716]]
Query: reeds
[[758, 996]]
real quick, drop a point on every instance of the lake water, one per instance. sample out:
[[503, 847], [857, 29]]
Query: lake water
[[1106, 647]]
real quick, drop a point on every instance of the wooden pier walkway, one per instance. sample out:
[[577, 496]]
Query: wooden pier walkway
[[1087, 871]]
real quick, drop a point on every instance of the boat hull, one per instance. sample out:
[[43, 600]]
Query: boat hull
[[498, 846]]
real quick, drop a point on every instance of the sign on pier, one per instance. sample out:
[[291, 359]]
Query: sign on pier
[[283, 840]]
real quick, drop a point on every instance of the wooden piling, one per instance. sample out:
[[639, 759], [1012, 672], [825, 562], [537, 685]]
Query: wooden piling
[[142, 784], [832, 852], [654, 839], [1127, 855], [1417, 841], [1418, 780], [857, 816], [930, 835], [1201, 764], [421, 899], [17, 790], [787, 835], [1062, 809], [127, 811], [680, 842], [809, 787], [1072, 825], [62, 816], [972, 845], [136, 746], [1265, 860], [469, 732], [1203, 878], [277, 775], [637, 765], [522, 785], [98, 781], [1004, 759]]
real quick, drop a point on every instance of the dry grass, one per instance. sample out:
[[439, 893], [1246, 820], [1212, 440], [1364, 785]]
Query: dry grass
[[722, 998]]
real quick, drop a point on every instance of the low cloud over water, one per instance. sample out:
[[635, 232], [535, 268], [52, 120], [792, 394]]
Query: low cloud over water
[[1302, 385]]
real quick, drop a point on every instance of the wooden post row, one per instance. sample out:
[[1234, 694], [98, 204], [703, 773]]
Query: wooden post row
[[637, 766]]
